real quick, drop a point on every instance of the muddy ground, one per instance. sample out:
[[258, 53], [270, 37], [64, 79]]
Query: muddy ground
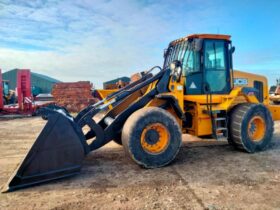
[[209, 175]]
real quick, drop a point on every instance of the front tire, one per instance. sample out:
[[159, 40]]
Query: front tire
[[250, 127], [151, 137]]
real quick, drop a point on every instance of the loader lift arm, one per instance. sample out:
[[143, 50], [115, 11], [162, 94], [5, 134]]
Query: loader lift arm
[[104, 133]]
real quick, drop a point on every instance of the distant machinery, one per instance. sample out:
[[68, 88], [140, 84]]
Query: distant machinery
[[39, 83], [20, 101]]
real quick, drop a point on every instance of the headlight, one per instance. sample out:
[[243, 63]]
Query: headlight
[[173, 66], [176, 69]]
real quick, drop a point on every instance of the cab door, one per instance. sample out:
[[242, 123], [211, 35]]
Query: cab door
[[216, 66]]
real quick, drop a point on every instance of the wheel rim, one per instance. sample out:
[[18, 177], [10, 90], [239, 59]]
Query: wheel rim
[[256, 128], [155, 138]]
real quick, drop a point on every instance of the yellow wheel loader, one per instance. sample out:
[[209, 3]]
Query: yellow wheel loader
[[195, 92]]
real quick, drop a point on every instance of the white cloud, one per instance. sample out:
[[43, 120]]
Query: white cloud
[[98, 40]]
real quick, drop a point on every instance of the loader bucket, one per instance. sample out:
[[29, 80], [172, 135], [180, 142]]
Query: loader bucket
[[57, 152]]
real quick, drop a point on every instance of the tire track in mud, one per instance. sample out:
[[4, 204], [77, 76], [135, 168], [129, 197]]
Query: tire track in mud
[[186, 184]]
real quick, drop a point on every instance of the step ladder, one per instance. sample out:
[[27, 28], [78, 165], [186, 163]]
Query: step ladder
[[220, 129], [219, 123]]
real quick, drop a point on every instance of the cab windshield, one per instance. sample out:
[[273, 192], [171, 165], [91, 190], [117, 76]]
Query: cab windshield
[[185, 53], [175, 52]]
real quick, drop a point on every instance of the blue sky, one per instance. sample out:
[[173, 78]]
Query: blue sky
[[99, 40]]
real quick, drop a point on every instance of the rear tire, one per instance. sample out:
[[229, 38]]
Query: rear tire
[[250, 127], [151, 137]]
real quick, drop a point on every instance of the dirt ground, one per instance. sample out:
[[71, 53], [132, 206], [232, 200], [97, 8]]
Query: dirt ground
[[208, 175]]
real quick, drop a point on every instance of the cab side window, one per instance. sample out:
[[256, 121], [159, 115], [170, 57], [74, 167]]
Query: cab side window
[[214, 55], [191, 62]]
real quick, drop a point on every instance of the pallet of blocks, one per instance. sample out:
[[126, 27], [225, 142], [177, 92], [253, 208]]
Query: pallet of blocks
[[74, 96]]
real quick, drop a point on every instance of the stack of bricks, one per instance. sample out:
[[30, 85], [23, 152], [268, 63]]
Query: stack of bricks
[[74, 96], [117, 85], [277, 90], [135, 77]]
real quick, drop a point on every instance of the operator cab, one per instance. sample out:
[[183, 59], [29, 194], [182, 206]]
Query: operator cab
[[206, 63]]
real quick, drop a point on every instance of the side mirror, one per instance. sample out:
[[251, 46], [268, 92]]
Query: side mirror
[[232, 49]]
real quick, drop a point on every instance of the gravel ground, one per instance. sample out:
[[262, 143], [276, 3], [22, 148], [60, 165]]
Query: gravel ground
[[205, 175]]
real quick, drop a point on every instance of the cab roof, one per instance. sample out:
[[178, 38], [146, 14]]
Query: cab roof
[[202, 36]]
